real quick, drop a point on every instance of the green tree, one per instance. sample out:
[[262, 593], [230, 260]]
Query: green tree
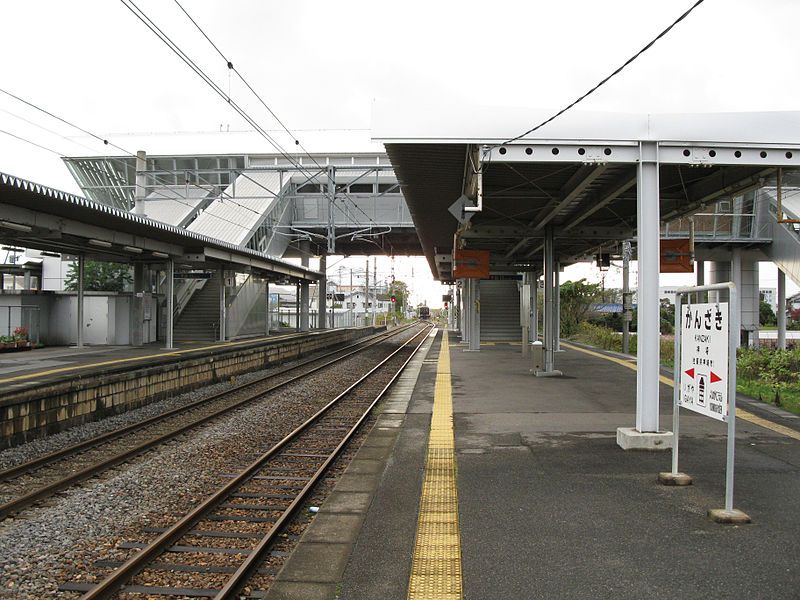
[[398, 289], [667, 313], [576, 299], [99, 277], [766, 316]]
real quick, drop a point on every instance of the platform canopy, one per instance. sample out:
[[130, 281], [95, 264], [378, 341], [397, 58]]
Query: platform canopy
[[577, 174], [38, 217]]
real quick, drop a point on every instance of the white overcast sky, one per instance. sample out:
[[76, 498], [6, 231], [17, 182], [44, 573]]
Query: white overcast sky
[[319, 65]]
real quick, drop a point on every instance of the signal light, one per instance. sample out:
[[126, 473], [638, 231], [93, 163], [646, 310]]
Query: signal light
[[445, 305], [394, 299]]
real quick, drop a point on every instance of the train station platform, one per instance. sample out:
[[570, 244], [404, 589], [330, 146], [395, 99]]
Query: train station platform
[[548, 506], [48, 390]]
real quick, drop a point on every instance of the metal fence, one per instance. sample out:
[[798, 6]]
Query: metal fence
[[15, 319]]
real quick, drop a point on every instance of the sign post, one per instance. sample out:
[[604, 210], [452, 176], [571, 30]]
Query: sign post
[[704, 380]]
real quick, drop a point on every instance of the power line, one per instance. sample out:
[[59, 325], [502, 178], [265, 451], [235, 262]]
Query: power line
[[109, 143], [236, 71], [161, 35], [230, 66], [614, 73], [27, 141]]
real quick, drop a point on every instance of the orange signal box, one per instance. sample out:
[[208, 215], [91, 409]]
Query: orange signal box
[[471, 264], [676, 257]]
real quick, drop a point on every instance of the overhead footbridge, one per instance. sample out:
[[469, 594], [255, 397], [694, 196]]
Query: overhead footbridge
[[582, 183]]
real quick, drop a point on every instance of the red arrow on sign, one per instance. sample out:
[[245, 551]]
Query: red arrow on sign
[[715, 377], [690, 372]]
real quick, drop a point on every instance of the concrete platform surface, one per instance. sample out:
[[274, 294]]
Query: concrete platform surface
[[551, 507], [26, 368]]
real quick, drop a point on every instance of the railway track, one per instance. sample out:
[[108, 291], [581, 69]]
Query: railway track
[[218, 549], [31, 482]]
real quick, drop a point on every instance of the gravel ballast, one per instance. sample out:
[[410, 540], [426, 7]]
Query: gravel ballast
[[59, 541]]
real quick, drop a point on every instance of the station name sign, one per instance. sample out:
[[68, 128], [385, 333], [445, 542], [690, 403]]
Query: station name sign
[[704, 359]]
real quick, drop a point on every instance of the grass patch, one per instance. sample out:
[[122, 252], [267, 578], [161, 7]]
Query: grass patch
[[765, 373], [787, 397], [608, 339]]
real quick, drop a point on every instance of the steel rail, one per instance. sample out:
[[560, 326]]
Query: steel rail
[[251, 564], [130, 568], [26, 467], [27, 500]]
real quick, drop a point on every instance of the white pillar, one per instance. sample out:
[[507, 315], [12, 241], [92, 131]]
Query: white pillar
[[460, 304], [374, 287], [534, 328], [557, 307], [81, 284], [297, 307], [266, 293], [467, 299], [141, 183], [304, 295], [736, 278], [322, 292], [170, 303], [221, 276], [781, 310], [475, 320], [648, 322], [525, 312], [549, 307], [626, 297], [451, 309], [305, 250]]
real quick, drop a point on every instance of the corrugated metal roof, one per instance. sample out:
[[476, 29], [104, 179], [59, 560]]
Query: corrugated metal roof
[[41, 197], [174, 205], [242, 207]]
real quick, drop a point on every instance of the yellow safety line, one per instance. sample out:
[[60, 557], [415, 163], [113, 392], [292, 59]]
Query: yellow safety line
[[436, 566], [137, 358], [740, 412]]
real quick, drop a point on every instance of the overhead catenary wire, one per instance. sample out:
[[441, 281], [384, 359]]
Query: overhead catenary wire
[[241, 77], [614, 73], [158, 32], [107, 142], [114, 159], [32, 143]]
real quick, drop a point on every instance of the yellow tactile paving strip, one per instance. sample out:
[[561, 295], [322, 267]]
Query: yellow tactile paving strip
[[436, 566], [740, 412]]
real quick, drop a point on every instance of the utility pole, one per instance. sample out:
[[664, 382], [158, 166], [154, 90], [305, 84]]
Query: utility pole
[[351, 303], [366, 293], [374, 286]]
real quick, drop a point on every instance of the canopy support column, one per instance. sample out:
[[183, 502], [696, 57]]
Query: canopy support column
[[475, 315], [557, 306], [81, 285], [550, 323], [221, 277], [466, 331], [266, 295], [781, 310], [534, 328], [322, 292], [170, 304], [297, 307], [646, 434]]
